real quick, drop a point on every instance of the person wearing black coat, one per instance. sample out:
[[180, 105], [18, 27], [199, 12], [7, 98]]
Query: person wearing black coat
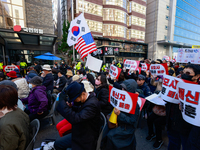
[[61, 82], [37, 67], [102, 94], [84, 115], [48, 78]]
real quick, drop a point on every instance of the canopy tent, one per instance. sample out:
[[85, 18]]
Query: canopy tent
[[47, 56]]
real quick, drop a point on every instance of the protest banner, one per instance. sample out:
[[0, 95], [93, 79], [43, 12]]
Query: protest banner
[[186, 55], [167, 58], [9, 68], [115, 71], [131, 64], [93, 63], [158, 69], [156, 99], [169, 89], [141, 102], [145, 66], [122, 100], [188, 95]]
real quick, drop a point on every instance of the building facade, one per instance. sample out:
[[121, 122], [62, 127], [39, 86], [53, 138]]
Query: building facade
[[118, 27], [170, 25], [26, 30]]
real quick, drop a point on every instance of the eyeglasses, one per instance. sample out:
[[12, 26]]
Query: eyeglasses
[[139, 79]]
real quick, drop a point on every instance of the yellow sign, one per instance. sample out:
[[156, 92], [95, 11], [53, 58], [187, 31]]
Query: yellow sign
[[195, 46]]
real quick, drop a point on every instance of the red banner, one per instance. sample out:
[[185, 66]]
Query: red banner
[[159, 69], [145, 66], [9, 68], [115, 71], [122, 100]]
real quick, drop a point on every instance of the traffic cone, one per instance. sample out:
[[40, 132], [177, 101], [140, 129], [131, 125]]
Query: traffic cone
[[113, 117]]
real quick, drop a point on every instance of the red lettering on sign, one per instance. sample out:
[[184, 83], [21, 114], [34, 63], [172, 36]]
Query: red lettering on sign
[[193, 100], [181, 93], [127, 106], [115, 95], [171, 94], [165, 81], [173, 84], [121, 105], [122, 97]]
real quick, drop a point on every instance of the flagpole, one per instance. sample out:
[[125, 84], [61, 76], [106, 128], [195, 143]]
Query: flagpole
[[73, 19]]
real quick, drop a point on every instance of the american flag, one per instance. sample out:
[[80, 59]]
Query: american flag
[[85, 45]]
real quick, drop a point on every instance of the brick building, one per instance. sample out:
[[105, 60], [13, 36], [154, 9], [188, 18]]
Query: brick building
[[118, 27], [37, 32]]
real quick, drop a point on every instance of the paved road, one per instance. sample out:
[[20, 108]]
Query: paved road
[[48, 131]]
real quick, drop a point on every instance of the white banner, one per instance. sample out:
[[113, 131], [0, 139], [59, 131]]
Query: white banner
[[93, 63], [156, 99], [189, 101], [186, 55], [114, 71], [131, 64], [169, 89]]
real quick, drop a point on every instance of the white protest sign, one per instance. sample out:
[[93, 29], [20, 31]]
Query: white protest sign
[[189, 101], [114, 71], [131, 64], [122, 100], [93, 63], [169, 89], [156, 99], [158, 69], [145, 66], [186, 55]]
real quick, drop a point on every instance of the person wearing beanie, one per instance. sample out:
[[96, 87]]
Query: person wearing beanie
[[82, 110], [18, 72], [123, 136], [37, 100], [142, 85], [69, 76]]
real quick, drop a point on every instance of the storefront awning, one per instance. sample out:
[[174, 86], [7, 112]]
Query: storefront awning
[[25, 40]]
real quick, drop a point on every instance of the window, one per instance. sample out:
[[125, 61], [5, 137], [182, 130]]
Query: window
[[166, 27], [137, 34], [165, 37], [121, 3], [137, 21], [95, 25], [167, 17], [114, 15], [90, 8], [114, 30], [167, 7], [138, 8]]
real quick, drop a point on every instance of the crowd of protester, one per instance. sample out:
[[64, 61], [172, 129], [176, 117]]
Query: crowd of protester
[[83, 94]]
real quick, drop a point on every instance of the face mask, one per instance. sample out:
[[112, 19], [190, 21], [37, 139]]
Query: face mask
[[30, 86], [97, 82], [186, 77]]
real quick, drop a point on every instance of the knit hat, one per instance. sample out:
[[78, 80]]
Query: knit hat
[[30, 76], [8, 82], [74, 90], [142, 77], [36, 80], [130, 85], [12, 74]]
